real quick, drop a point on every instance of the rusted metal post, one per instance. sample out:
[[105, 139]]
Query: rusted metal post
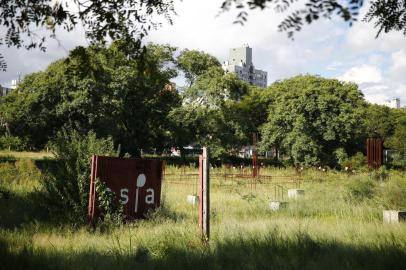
[[254, 159], [204, 194]]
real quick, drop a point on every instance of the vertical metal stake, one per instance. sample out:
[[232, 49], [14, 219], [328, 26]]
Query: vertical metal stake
[[204, 194]]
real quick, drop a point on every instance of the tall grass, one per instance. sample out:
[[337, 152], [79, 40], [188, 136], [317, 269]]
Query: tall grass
[[25, 154], [328, 228]]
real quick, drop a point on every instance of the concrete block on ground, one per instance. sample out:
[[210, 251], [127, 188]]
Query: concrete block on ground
[[277, 205], [294, 193], [394, 216], [192, 199]]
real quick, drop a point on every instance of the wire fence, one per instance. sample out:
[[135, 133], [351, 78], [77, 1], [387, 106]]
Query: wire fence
[[241, 177]]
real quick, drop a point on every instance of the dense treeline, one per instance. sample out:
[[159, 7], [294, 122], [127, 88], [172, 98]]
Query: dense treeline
[[113, 92]]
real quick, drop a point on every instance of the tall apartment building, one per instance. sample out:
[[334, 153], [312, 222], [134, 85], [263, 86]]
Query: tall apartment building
[[240, 63]]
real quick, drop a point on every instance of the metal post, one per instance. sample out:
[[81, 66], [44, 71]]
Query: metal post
[[204, 194], [254, 160], [254, 156]]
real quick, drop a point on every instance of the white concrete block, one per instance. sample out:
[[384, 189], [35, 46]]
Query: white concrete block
[[394, 216], [294, 193], [277, 205], [192, 199]]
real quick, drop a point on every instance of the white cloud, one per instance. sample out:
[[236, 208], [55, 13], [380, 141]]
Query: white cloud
[[28, 61], [379, 86], [362, 74], [381, 99], [398, 68], [335, 65], [361, 38], [376, 59]]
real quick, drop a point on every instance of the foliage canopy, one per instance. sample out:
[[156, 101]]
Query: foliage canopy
[[99, 89], [311, 117], [387, 15], [131, 20]]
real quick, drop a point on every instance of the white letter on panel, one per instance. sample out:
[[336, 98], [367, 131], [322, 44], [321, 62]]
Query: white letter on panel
[[150, 198]]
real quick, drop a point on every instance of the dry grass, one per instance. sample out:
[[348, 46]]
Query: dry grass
[[325, 229], [27, 155]]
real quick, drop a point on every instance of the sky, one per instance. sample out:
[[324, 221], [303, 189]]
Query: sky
[[329, 48]]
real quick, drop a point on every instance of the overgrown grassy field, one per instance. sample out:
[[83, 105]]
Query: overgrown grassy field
[[336, 225], [30, 155]]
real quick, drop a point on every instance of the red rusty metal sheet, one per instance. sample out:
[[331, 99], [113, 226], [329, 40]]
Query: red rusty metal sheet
[[375, 152], [136, 182]]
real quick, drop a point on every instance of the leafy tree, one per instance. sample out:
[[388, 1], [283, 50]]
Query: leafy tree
[[31, 111], [311, 117], [379, 121], [132, 20], [207, 116], [102, 20], [397, 142], [387, 15], [252, 110], [100, 89], [194, 63], [215, 87]]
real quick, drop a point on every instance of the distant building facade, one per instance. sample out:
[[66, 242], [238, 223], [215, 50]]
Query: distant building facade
[[240, 63], [4, 91], [394, 103]]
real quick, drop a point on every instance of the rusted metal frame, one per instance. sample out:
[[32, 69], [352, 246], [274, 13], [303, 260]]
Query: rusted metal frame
[[92, 192]]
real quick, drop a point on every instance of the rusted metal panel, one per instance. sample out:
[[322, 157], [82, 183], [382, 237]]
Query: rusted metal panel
[[136, 182], [375, 152]]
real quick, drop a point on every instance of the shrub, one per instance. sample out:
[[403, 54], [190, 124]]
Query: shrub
[[357, 161], [393, 192], [397, 160], [111, 211], [8, 173], [360, 190], [13, 143], [341, 157], [67, 183], [379, 174]]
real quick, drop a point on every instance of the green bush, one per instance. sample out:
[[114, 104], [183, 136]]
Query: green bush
[[22, 171], [398, 160], [394, 192], [8, 173], [111, 211], [359, 190], [341, 157], [67, 183], [380, 174], [357, 161], [13, 143]]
